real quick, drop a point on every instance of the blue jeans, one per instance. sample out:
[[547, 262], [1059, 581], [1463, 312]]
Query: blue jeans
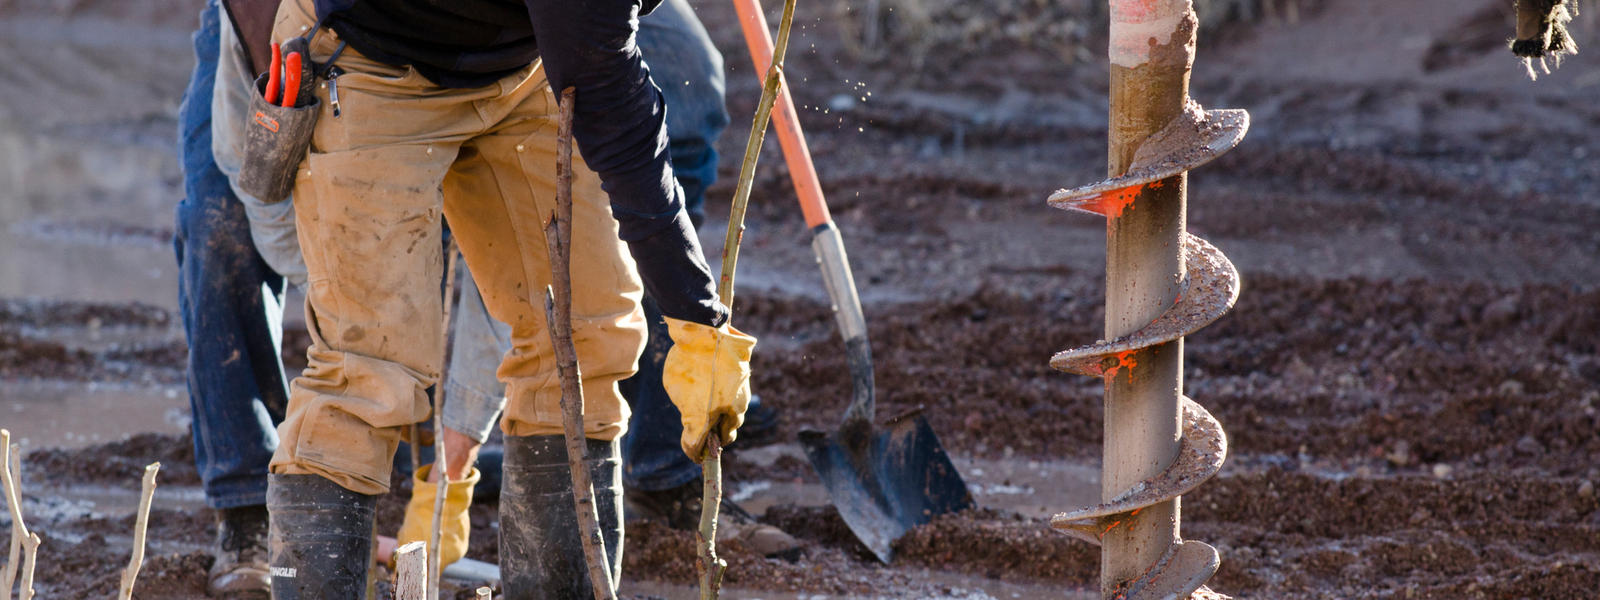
[[688, 69], [231, 304]]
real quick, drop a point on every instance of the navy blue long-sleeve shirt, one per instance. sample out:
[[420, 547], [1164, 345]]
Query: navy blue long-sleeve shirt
[[619, 121]]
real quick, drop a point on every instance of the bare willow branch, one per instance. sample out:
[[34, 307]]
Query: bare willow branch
[[558, 316], [712, 567], [440, 461]]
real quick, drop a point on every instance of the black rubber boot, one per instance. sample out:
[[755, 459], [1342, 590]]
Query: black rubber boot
[[320, 539], [541, 554]]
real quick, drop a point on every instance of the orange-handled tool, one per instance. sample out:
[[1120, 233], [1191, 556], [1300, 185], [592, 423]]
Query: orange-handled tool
[[825, 240], [291, 79], [795, 152], [883, 481], [274, 74]]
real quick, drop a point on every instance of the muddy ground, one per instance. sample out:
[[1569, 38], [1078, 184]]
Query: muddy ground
[[1410, 380]]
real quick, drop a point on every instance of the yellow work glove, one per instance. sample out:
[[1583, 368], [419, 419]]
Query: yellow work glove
[[707, 375], [455, 524]]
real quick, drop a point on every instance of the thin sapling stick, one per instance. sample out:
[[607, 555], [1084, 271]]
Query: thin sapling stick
[[712, 567], [558, 315], [440, 461]]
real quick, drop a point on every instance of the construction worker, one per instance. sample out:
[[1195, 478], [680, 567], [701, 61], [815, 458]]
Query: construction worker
[[447, 112], [236, 401]]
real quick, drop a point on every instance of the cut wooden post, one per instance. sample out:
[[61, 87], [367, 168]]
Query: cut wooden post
[[440, 461], [411, 571], [140, 525], [484, 593], [558, 317]]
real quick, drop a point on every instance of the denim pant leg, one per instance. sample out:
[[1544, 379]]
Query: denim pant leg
[[688, 69], [231, 305]]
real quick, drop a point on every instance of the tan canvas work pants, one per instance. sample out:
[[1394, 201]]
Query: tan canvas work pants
[[369, 198]]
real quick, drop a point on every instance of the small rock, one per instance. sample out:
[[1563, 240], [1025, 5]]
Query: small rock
[[1510, 387], [1441, 470], [1500, 311], [1528, 445], [1586, 490], [1401, 455]]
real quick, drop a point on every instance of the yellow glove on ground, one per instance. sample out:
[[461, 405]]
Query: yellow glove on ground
[[707, 375], [456, 523]]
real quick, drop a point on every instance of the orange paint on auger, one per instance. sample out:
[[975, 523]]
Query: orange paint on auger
[[1125, 360], [1113, 203]]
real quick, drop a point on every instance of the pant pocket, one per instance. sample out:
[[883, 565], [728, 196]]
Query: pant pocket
[[343, 443]]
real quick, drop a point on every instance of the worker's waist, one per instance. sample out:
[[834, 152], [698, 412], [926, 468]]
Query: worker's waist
[[461, 44]]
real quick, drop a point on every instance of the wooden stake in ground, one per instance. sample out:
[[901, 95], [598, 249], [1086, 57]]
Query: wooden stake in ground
[[411, 571], [141, 523], [11, 486], [558, 315], [440, 461], [712, 567]]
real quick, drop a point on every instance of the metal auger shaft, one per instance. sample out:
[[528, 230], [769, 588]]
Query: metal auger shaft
[[1161, 284], [1143, 269]]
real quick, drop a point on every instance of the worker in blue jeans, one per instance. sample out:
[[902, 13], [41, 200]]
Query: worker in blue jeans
[[236, 257]]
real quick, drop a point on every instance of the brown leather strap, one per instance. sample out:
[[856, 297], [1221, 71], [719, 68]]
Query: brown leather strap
[[253, 20]]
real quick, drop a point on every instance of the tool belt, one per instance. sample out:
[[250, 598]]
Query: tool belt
[[282, 115]]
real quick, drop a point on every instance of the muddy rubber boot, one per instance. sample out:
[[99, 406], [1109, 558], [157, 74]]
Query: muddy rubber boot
[[541, 554], [320, 539]]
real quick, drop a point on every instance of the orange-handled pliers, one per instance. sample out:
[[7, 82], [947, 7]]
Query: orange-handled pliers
[[274, 74], [291, 79]]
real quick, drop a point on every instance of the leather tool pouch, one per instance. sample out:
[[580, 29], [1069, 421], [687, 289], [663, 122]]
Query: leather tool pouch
[[277, 137]]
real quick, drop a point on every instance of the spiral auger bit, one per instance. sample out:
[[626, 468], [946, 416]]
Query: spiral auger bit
[[1162, 284]]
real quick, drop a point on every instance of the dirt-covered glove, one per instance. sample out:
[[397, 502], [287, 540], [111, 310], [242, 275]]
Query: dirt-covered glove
[[707, 375], [455, 523]]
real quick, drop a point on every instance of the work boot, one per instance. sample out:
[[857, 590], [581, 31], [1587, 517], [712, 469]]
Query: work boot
[[239, 571], [320, 540], [541, 553], [679, 508]]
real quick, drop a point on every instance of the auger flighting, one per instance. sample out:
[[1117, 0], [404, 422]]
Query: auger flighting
[[1161, 284]]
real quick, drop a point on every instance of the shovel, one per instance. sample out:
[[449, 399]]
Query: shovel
[[883, 481]]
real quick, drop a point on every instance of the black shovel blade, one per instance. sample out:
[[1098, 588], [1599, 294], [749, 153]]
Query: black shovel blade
[[886, 481]]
